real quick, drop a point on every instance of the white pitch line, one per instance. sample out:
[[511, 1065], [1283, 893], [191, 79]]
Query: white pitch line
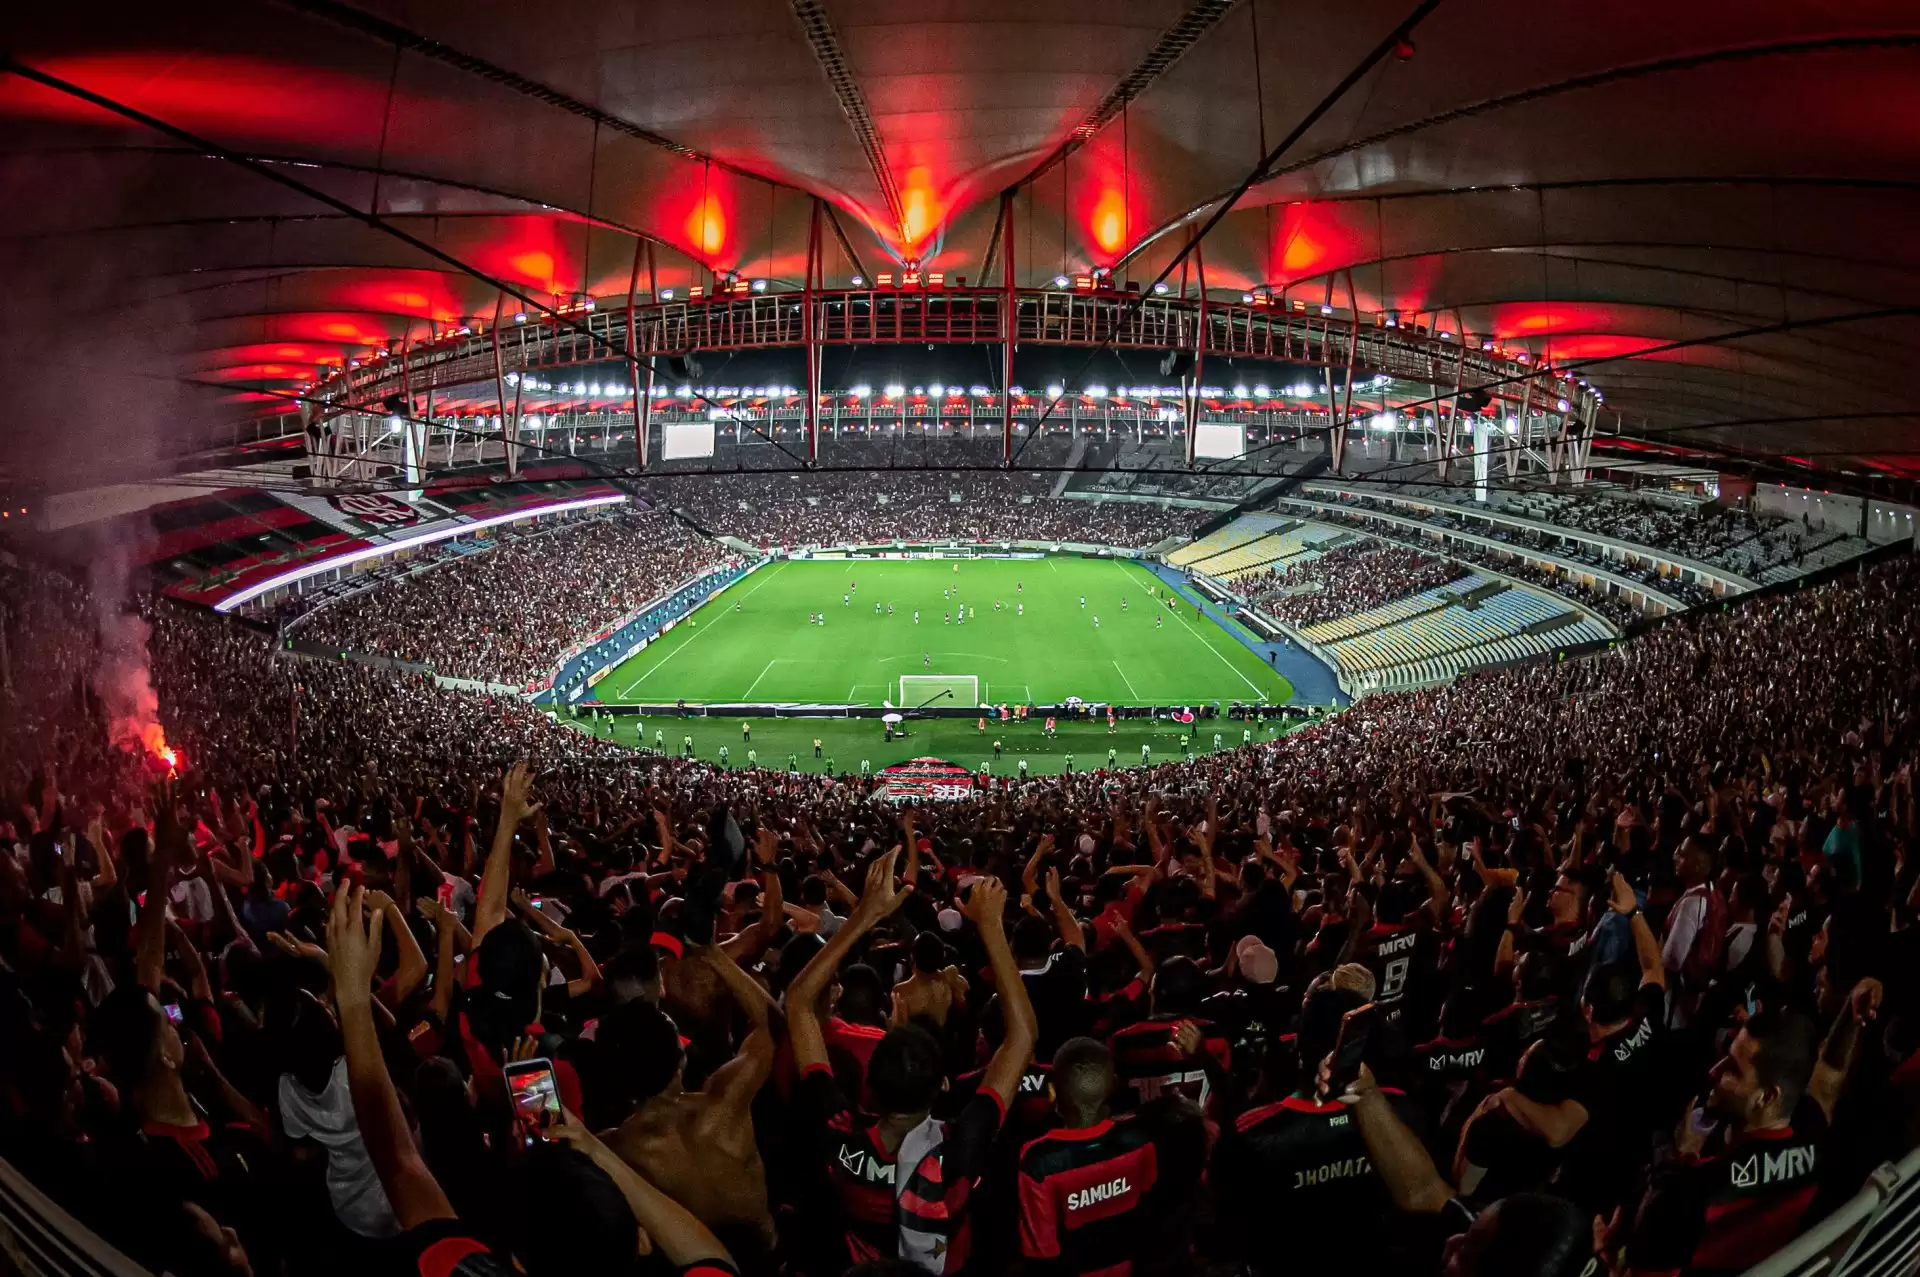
[[763, 574], [1123, 678], [748, 694], [1216, 651]]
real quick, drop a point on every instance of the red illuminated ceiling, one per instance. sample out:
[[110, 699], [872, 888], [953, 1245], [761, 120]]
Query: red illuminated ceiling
[[1711, 204]]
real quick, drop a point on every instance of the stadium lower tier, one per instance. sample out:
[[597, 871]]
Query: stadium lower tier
[[941, 633], [856, 746]]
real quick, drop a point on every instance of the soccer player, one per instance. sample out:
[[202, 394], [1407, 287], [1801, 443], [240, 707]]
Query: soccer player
[[1019, 588], [1216, 742], [916, 616], [889, 609], [1049, 727], [1083, 600], [1123, 604], [1146, 753], [723, 756], [1157, 621], [946, 618], [926, 662], [660, 739], [846, 600], [996, 750], [753, 758], [866, 767], [876, 607], [943, 592], [1096, 622], [1023, 769], [983, 725], [1084, 1185], [1112, 727], [1021, 609], [1246, 736]]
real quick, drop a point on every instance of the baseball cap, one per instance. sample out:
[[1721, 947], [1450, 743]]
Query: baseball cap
[[1258, 963]]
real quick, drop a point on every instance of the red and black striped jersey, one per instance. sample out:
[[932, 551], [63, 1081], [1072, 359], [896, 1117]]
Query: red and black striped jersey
[[1150, 1065], [912, 1201], [1081, 1196]]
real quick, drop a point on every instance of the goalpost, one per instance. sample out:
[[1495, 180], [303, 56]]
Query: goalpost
[[935, 691]]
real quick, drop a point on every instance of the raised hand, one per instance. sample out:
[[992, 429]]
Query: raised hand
[[881, 897], [986, 903], [353, 948], [1622, 900]]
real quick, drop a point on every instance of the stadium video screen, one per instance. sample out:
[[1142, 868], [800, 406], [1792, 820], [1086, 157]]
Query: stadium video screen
[[1219, 439], [682, 440]]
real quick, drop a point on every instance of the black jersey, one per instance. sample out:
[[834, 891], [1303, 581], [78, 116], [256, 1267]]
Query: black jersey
[[1294, 1182]]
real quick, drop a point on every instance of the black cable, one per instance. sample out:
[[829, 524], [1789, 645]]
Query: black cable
[[372, 220], [1393, 40]]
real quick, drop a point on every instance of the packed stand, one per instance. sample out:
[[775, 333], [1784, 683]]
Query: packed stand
[[508, 615], [1343, 581], [831, 507], [1542, 962], [1688, 593]]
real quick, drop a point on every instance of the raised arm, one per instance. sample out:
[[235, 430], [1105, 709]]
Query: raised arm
[[1398, 1156], [589, 969], [1072, 934], [491, 908], [681, 1237], [803, 995], [734, 1084], [353, 954], [986, 908], [150, 939], [1838, 1051], [411, 971], [1646, 947]]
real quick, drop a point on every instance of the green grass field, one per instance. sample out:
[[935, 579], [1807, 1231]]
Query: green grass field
[[754, 643], [846, 741]]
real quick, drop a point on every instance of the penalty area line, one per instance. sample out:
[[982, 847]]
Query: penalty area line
[[627, 691]]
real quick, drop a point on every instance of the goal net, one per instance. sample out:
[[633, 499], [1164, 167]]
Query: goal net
[[932, 690]]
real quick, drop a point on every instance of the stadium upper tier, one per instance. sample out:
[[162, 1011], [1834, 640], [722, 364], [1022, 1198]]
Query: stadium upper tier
[[467, 365]]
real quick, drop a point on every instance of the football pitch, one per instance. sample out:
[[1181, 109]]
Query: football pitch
[[1027, 638]]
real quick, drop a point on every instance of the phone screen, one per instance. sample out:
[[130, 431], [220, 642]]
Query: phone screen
[[535, 1096], [173, 1013], [1350, 1048]]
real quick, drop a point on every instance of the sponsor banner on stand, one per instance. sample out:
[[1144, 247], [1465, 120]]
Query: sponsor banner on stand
[[933, 779]]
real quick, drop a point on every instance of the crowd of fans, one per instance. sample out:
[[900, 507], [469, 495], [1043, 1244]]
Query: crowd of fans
[[1736, 539], [1348, 579], [1636, 932], [830, 508], [1687, 593], [508, 615]]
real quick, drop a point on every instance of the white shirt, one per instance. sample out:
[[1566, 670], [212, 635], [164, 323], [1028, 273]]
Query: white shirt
[[353, 1186]]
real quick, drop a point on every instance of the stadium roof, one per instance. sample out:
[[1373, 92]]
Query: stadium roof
[[1713, 202]]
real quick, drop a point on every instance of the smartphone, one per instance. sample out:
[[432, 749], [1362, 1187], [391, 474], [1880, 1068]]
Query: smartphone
[[1349, 1049], [535, 1096], [173, 1013]]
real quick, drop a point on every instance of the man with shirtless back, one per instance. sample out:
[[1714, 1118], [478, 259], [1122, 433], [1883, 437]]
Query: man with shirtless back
[[934, 991], [697, 1146]]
